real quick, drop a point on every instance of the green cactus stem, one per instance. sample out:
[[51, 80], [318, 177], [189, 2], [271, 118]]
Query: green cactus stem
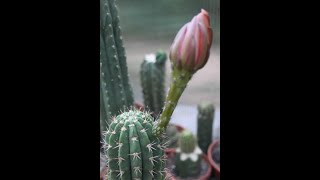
[[132, 150], [152, 76], [114, 71], [188, 157], [105, 113], [179, 81], [205, 123]]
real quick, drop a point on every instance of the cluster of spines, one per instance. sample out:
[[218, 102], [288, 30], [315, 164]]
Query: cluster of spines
[[133, 152], [114, 71], [205, 125], [152, 75]]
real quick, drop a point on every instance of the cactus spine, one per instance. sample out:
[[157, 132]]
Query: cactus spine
[[114, 71], [133, 151], [205, 123], [188, 157], [152, 76]]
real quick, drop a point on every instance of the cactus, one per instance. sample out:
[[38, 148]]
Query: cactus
[[114, 71], [133, 141], [188, 157], [205, 123], [105, 113], [152, 76], [132, 150]]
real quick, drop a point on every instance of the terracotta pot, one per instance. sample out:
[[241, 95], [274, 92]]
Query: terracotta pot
[[214, 165], [169, 176], [179, 128], [103, 173], [139, 106], [171, 152]]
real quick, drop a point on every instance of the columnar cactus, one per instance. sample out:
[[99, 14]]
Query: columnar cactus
[[152, 75], [105, 113], [114, 71], [133, 151], [188, 157], [205, 123]]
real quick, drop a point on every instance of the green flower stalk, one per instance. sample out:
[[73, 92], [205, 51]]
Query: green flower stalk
[[189, 52]]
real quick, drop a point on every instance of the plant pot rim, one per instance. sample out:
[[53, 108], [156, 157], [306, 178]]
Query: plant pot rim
[[211, 161], [206, 176], [179, 127]]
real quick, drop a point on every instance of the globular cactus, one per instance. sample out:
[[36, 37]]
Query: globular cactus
[[132, 150], [114, 72], [152, 75], [188, 157], [205, 123]]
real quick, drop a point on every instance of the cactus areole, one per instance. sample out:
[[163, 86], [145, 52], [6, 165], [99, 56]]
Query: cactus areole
[[188, 53]]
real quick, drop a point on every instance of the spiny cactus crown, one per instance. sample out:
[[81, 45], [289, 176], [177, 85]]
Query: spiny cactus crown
[[205, 108], [133, 151], [187, 142]]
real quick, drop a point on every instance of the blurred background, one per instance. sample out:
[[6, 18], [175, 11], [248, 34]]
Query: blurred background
[[150, 25]]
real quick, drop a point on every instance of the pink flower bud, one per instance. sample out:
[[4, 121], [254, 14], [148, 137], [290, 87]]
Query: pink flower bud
[[191, 47]]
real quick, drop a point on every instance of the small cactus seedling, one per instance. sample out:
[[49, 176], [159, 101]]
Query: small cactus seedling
[[133, 151], [113, 66], [188, 157], [205, 123], [152, 75]]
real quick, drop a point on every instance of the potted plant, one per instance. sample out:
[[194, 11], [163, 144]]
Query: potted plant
[[188, 161], [133, 138]]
